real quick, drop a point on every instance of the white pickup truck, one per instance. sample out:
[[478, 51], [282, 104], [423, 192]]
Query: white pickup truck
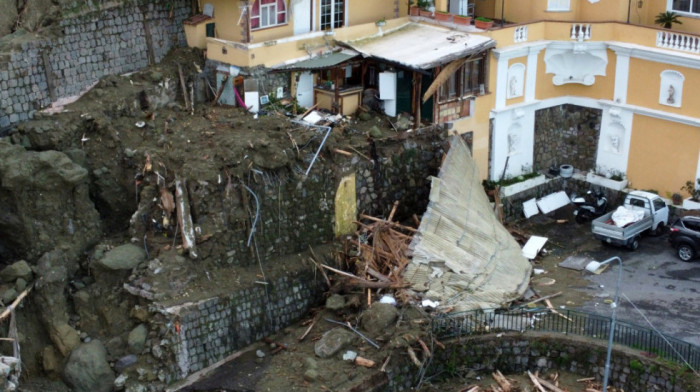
[[654, 216]]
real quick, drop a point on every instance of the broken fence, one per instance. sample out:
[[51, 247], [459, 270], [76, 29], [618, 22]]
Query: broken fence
[[567, 322]]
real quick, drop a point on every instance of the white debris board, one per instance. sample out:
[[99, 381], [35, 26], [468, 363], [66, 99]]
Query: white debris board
[[533, 246], [553, 201], [530, 208]]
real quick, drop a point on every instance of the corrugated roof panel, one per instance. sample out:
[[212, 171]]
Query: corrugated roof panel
[[322, 62], [483, 264]]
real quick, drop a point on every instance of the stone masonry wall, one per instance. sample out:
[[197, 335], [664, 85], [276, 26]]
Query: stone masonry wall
[[112, 41], [293, 215], [212, 329], [518, 353], [513, 205], [566, 134]]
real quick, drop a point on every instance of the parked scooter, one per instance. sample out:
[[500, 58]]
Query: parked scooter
[[593, 205]]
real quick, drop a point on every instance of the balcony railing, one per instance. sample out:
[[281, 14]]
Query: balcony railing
[[677, 41], [580, 32], [520, 34]]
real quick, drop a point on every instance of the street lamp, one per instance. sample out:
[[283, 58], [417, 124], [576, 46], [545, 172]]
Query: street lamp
[[594, 267]]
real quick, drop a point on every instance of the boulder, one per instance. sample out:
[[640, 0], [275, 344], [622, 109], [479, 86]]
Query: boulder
[[46, 203], [64, 337], [335, 302], [8, 295], [137, 339], [378, 318], [51, 360], [124, 257], [124, 362], [15, 271], [87, 369], [333, 341]]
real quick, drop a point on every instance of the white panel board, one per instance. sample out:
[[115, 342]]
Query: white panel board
[[553, 201], [252, 101], [387, 85], [390, 107], [530, 208], [533, 246]]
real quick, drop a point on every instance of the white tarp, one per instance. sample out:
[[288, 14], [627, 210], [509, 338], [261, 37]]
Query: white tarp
[[480, 264], [624, 216]]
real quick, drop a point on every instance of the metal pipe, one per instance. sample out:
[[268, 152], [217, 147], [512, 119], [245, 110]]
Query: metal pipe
[[611, 333]]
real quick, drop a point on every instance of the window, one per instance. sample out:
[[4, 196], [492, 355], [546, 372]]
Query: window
[[659, 204], [690, 6], [464, 82], [268, 13], [332, 14], [558, 5]]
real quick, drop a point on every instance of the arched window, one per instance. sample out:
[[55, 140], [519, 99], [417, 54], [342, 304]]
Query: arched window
[[268, 13]]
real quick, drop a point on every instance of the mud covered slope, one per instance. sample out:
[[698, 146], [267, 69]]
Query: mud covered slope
[[45, 204]]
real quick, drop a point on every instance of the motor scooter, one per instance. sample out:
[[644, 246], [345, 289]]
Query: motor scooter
[[593, 205]]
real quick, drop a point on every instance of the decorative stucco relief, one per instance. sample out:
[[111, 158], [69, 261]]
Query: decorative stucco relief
[[577, 65]]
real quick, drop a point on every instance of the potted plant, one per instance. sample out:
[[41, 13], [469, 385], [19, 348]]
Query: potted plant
[[693, 189], [462, 20], [443, 16], [667, 19], [381, 22], [483, 23]]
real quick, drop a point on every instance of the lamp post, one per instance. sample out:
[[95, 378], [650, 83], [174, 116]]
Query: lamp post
[[593, 266]]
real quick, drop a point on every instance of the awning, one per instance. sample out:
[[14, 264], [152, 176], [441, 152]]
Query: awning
[[321, 62], [421, 47]]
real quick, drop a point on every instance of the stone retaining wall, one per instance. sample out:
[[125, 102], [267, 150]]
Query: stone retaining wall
[[513, 205], [87, 47], [293, 215], [518, 353], [566, 134], [208, 331]]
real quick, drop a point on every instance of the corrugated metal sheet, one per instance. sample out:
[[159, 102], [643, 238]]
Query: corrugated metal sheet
[[322, 62], [421, 46], [481, 264]]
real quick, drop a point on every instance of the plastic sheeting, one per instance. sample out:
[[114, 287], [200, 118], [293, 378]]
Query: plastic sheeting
[[462, 256], [624, 216]]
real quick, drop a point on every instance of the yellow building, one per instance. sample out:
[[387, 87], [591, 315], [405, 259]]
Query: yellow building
[[592, 83]]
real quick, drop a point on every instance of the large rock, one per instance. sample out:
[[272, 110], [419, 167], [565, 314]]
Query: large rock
[[137, 339], [15, 271], [333, 341], [46, 203], [64, 337], [87, 369], [378, 318], [124, 257]]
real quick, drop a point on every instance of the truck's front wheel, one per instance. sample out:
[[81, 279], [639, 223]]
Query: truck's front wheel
[[633, 244]]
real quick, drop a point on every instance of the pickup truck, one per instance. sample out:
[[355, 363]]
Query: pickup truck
[[654, 219]]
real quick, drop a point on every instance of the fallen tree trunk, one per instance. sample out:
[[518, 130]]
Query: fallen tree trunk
[[185, 218]]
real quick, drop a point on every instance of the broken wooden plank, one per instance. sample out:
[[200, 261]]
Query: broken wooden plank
[[414, 358], [342, 152], [183, 87], [368, 363], [549, 385], [184, 218], [15, 303], [502, 381], [221, 90], [544, 298], [535, 382]]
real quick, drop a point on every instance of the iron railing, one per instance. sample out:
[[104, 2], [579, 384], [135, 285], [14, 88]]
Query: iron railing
[[567, 322]]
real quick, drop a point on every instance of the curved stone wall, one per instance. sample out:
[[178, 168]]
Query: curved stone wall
[[519, 352]]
